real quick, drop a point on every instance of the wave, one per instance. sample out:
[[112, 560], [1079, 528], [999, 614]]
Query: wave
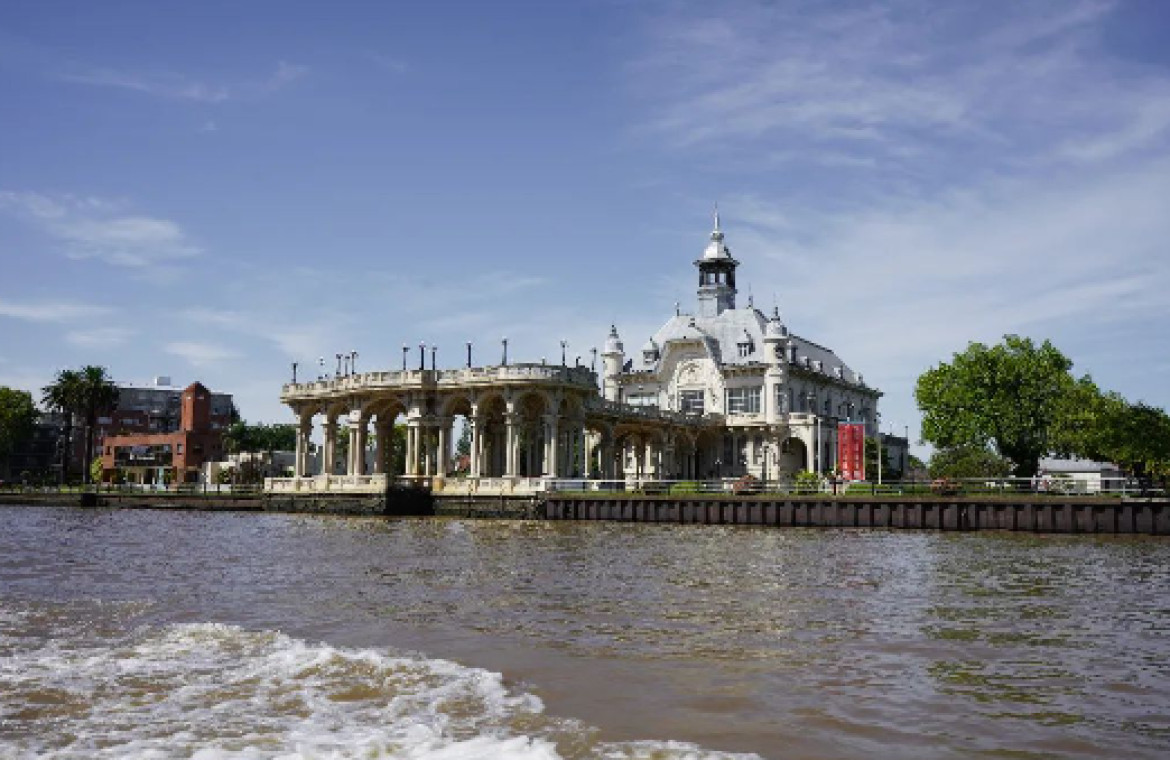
[[210, 691]]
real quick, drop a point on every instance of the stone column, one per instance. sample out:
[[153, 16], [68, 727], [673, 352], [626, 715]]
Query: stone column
[[476, 444], [551, 459], [444, 446], [304, 430], [511, 445], [428, 450], [381, 433], [329, 447], [412, 448]]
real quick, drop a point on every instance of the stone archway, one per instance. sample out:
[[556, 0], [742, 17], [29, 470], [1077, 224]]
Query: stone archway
[[793, 456]]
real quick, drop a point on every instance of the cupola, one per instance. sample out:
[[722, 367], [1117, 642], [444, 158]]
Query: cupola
[[716, 275]]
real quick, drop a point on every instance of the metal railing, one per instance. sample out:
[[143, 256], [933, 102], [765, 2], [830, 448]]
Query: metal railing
[[991, 487], [173, 489]]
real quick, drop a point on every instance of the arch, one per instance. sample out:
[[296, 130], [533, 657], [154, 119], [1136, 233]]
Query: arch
[[793, 456]]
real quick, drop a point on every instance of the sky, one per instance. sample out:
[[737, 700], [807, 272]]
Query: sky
[[214, 190]]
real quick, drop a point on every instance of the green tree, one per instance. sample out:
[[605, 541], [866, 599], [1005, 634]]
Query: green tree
[[242, 437], [18, 415], [915, 469], [95, 470], [968, 462], [463, 445], [1006, 396], [83, 394]]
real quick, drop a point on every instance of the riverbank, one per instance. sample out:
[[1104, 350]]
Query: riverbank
[[1024, 513]]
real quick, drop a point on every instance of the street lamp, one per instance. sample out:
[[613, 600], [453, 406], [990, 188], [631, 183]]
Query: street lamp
[[434, 350], [469, 354], [294, 369], [504, 340], [353, 362], [564, 343], [321, 366], [593, 366], [422, 356], [405, 350], [338, 372]]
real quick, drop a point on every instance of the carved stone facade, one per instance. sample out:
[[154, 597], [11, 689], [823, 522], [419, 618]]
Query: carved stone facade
[[721, 393], [776, 397]]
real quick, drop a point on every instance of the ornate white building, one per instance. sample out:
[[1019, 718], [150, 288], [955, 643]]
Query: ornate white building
[[775, 398], [716, 394]]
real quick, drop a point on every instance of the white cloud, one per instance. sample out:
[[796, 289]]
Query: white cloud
[[386, 63], [178, 87], [99, 337], [901, 86], [93, 228], [51, 311], [200, 354]]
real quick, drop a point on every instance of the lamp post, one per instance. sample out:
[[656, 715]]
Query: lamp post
[[504, 340], [877, 423], [353, 362], [434, 350], [422, 356], [405, 350], [338, 372], [321, 367], [469, 354], [564, 344], [294, 369], [593, 366]]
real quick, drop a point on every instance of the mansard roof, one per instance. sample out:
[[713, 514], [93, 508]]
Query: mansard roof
[[722, 334]]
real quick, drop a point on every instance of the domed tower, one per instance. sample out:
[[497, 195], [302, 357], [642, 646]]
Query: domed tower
[[775, 339], [612, 358], [716, 275]]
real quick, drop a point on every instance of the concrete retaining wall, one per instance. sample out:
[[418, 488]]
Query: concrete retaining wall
[[1073, 516]]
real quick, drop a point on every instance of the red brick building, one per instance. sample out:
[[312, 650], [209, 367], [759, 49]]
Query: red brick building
[[177, 456]]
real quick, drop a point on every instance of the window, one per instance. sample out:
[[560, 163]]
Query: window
[[690, 402], [743, 400], [179, 448], [642, 398], [782, 396]]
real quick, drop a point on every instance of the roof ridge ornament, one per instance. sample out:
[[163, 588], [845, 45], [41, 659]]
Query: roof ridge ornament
[[717, 233]]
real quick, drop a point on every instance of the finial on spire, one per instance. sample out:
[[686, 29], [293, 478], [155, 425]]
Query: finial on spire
[[716, 216]]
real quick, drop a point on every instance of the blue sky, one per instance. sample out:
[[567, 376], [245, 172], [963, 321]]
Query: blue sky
[[212, 191]]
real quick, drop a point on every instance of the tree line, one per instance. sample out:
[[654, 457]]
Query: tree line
[[997, 410]]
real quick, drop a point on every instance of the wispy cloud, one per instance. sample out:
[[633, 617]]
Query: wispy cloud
[[100, 337], [200, 354], [900, 84], [51, 311], [386, 63], [179, 87], [92, 228]]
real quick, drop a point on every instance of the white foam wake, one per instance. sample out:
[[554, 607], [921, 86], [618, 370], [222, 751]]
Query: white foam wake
[[211, 691]]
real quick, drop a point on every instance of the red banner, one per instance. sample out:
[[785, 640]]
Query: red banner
[[851, 450]]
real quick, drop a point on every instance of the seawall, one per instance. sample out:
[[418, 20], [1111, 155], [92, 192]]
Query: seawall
[[1041, 515]]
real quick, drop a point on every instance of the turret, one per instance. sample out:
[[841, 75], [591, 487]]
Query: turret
[[650, 354], [775, 338], [613, 357], [716, 275]]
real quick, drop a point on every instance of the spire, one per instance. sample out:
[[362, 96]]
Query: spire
[[716, 234]]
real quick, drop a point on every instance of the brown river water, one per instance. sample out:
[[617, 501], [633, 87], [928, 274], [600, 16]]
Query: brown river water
[[184, 634]]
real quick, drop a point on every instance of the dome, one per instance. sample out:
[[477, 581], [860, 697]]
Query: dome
[[775, 329]]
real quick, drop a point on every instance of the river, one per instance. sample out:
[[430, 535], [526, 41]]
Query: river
[[127, 633]]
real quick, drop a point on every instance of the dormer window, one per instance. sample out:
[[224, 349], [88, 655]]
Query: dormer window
[[745, 345]]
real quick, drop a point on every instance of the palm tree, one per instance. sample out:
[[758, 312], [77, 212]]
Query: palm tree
[[86, 393]]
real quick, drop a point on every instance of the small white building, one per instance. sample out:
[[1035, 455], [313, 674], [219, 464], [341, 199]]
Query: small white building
[[1084, 475]]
